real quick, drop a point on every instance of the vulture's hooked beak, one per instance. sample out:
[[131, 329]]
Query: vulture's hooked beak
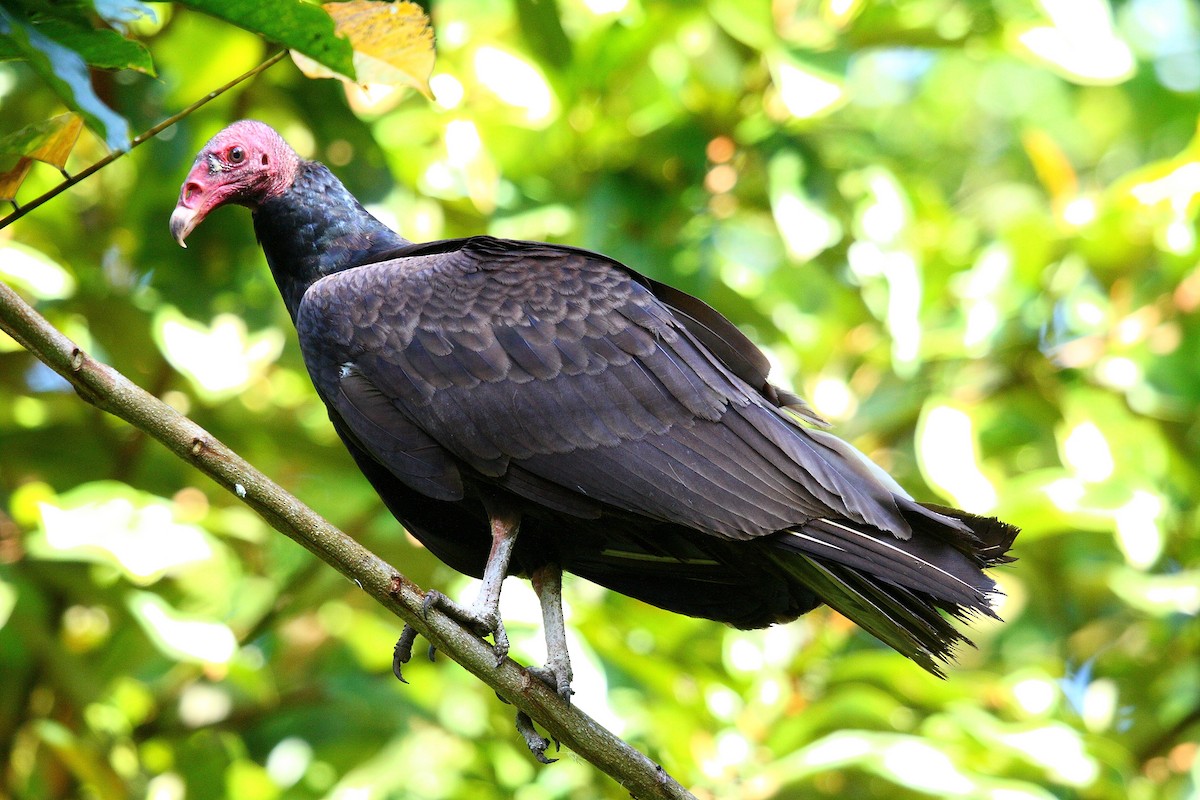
[[199, 195], [183, 219]]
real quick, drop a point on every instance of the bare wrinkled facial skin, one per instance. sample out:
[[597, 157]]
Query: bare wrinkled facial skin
[[246, 163]]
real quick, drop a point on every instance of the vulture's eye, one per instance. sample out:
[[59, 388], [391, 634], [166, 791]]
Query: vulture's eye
[[237, 155]]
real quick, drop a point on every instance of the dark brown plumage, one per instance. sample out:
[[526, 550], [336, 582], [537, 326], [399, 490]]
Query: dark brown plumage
[[627, 429]]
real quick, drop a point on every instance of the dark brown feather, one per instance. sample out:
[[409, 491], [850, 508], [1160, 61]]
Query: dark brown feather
[[633, 425]]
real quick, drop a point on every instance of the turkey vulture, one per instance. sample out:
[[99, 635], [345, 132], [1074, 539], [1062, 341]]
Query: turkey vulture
[[627, 430]]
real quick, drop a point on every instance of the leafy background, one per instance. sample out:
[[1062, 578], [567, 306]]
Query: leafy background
[[964, 229]]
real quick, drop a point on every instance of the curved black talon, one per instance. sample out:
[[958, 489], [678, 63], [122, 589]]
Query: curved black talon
[[536, 743], [432, 598], [557, 679], [403, 651]]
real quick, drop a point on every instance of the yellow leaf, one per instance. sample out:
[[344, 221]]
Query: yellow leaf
[[57, 145], [11, 179], [49, 141], [1051, 164], [393, 44]]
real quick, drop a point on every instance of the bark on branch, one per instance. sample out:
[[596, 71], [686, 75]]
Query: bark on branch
[[108, 390]]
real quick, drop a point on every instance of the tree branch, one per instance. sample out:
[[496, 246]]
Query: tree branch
[[107, 389]]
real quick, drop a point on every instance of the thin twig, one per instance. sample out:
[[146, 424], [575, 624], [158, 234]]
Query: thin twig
[[134, 142], [107, 389]]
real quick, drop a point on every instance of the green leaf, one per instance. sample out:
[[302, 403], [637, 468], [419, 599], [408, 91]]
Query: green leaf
[[67, 74], [298, 26], [99, 47]]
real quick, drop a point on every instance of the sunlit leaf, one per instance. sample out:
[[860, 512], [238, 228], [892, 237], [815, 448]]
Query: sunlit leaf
[[751, 24], [1162, 595], [806, 92], [515, 82], [806, 228], [905, 760], [110, 523], [245, 778], [34, 272], [65, 71], [1087, 452], [289, 760], [1058, 749], [393, 44], [841, 12], [949, 458], [184, 637], [221, 359], [1080, 43], [50, 141], [15, 170]]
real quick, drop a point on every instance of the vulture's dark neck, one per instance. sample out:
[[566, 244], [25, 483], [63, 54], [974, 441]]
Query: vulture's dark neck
[[314, 229]]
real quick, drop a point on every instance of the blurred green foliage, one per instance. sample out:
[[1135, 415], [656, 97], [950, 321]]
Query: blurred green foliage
[[966, 229]]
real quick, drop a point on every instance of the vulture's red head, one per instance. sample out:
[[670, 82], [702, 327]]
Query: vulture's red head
[[247, 163]]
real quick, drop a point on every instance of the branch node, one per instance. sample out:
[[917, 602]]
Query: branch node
[[198, 447], [77, 358]]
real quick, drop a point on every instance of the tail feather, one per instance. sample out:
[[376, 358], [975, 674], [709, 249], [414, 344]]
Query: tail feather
[[902, 591], [993, 538], [889, 613]]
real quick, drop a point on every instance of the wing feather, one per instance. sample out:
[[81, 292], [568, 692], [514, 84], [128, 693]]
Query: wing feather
[[639, 425], [541, 361], [407, 450], [566, 365]]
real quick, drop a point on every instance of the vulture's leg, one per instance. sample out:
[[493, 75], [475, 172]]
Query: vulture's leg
[[547, 582], [483, 616]]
